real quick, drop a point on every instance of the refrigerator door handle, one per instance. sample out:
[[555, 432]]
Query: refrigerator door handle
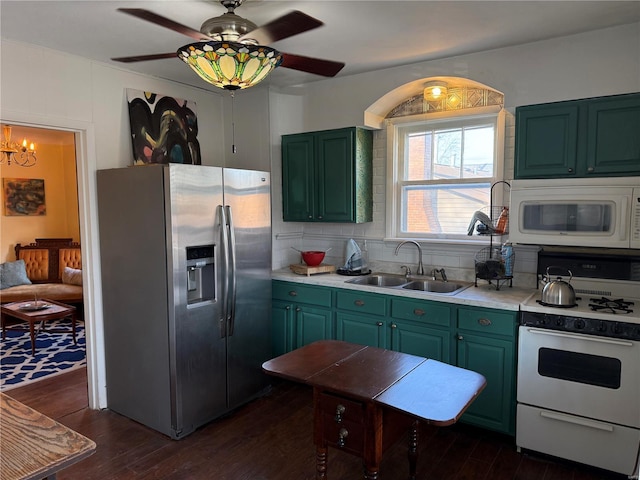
[[231, 298], [225, 265]]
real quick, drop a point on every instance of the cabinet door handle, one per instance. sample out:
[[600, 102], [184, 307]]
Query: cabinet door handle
[[460, 337], [393, 325], [379, 324], [570, 170], [590, 169], [359, 303], [485, 322], [320, 217], [339, 412], [293, 293], [310, 217], [288, 307], [298, 309], [342, 434], [418, 311]]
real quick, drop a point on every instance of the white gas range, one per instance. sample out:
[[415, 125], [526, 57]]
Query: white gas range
[[579, 366], [606, 307]]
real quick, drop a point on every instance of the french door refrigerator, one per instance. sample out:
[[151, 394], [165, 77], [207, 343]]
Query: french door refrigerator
[[186, 283]]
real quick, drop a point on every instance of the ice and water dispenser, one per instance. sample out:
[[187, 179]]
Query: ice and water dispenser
[[200, 274]]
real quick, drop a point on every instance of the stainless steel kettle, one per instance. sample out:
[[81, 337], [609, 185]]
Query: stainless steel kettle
[[558, 293]]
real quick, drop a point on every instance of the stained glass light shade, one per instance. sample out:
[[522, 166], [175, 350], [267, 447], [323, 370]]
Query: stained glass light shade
[[230, 65]]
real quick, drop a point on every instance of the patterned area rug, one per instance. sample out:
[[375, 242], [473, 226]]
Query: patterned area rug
[[55, 354]]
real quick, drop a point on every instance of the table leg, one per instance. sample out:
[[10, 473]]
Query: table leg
[[32, 333], [370, 473], [321, 463], [413, 449], [73, 327]]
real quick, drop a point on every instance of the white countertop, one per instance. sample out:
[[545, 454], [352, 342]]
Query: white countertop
[[484, 295]]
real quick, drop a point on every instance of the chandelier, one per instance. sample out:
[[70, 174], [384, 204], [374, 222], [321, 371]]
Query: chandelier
[[15, 152]]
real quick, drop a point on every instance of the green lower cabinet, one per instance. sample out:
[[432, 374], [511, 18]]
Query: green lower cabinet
[[361, 329], [417, 339], [301, 314], [362, 318], [422, 328], [487, 345], [478, 339], [282, 329], [312, 324]]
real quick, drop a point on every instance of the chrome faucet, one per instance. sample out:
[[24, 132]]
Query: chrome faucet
[[420, 267], [435, 271]]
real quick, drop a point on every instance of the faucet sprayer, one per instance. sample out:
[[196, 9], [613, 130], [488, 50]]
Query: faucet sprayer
[[435, 271]]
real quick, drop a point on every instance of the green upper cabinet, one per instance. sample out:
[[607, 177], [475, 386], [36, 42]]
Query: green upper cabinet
[[546, 141], [579, 138], [613, 141], [327, 176]]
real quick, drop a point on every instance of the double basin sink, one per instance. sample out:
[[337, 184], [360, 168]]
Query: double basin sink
[[387, 280]]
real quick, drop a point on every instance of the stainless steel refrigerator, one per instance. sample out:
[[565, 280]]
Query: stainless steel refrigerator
[[186, 288]]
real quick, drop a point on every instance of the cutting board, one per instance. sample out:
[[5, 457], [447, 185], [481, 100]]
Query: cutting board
[[301, 269]]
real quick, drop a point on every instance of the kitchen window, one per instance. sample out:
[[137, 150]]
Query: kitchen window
[[442, 172]]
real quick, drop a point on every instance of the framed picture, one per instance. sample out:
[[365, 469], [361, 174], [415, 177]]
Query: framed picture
[[163, 129], [23, 196]]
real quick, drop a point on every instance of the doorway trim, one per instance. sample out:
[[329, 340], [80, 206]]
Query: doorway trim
[[86, 166]]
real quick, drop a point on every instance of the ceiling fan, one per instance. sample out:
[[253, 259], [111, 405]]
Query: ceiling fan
[[231, 52]]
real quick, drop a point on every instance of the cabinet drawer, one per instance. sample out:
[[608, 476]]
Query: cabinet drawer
[[350, 410], [348, 424], [434, 314], [298, 293], [487, 321], [362, 302]]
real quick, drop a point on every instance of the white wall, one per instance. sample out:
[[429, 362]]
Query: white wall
[[603, 62]]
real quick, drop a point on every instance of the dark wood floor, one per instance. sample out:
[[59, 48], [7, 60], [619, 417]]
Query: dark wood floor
[[270, 439]]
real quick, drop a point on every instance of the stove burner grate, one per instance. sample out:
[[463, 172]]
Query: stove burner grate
[[608, 305]]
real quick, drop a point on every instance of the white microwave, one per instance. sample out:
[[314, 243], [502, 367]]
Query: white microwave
[[586, 212]]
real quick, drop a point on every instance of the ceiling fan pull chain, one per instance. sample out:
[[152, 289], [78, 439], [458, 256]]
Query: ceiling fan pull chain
[[233, 124]]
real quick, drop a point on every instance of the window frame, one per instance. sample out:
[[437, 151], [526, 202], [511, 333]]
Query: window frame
[[395, 165]]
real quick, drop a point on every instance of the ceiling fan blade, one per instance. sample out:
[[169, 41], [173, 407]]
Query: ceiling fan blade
[[286, 26], [326, 68], [144, 58], [164, 22]]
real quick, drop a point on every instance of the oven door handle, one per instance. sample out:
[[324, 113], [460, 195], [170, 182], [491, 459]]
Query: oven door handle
[[577, 420], [552, 333]]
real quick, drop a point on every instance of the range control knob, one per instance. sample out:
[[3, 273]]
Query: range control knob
[[559, 321], [602, 326], [579, 324], [617, 328]]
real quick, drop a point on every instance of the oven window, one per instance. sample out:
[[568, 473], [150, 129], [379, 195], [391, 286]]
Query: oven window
[[579, 367]]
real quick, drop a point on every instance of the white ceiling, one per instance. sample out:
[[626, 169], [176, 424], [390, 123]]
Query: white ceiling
[[366, 35]]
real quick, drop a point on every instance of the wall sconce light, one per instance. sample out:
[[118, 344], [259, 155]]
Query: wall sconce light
[[435, 90], [16, 152]]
